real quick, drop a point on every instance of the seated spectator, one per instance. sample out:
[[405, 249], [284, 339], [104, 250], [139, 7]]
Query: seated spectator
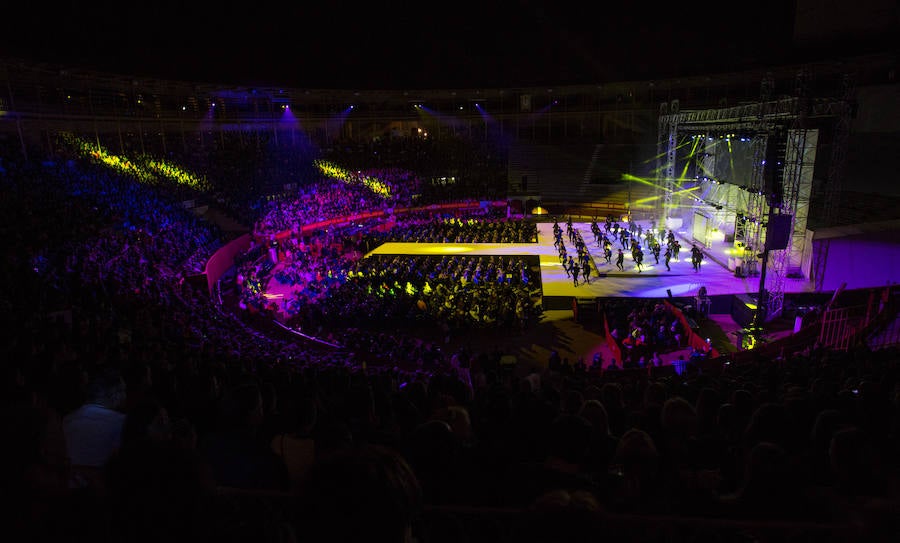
[[770, 488], [297, 445], [159, 490], [239, 455], [560, 515], [603, 443], [565, 465], [436, 455], [94, 430], [856, 465], [34, 460], [635, 482], [360, 493], [146, 420]]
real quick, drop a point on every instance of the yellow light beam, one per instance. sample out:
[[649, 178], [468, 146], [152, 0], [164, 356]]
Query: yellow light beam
[[730, 158], [677, 192], [679, 146], [687, 162]]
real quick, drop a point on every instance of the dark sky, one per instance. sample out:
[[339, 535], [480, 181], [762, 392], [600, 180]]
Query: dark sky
[[400, 44]]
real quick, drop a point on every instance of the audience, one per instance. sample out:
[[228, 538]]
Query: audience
[[154, 414], [94, 431]]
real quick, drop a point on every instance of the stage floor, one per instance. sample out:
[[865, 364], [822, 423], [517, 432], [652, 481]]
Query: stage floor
[[558, 331], [653, 282]]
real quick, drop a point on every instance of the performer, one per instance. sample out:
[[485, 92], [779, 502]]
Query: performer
[[696, 257]]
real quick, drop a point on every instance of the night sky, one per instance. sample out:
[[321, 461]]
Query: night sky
[[402, 44]]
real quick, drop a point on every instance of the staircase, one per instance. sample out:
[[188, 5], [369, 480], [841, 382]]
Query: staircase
[[595, 157], [226, 223], [887, 335]]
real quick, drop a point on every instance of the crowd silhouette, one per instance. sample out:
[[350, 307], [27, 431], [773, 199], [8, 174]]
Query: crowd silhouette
[[135, 408]]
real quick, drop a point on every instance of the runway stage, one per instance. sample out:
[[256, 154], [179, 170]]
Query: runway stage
[[559, 332], [606, 281]]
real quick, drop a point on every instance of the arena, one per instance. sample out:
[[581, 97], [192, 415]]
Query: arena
[[659, 308]]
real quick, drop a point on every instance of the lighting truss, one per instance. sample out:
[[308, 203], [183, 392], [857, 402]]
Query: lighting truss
[[790, 201]]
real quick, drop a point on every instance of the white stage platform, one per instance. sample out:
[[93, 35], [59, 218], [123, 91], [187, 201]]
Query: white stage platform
[[653, 282]]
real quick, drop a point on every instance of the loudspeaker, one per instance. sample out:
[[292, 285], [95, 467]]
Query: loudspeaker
[[585, 309], [778, 232]]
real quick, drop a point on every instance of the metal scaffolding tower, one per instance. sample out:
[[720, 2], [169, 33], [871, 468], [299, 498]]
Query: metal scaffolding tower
[[667, 145], [787, 197], [782, 144], [662, 143], [749, 228]]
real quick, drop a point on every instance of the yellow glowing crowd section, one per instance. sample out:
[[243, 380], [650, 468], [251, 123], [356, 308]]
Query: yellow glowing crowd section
[[145, 169], [336, 172], [175, 173]]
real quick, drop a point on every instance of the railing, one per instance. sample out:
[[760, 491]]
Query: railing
[[587, 209], [855, 324], [269, 516], [507, 525]]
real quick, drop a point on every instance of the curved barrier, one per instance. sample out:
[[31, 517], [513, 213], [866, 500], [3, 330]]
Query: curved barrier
[[693, 340], [611, 341], [223, 259], [455, 206]]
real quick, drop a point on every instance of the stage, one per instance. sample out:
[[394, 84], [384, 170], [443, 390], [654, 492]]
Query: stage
[[606, 281], [729, 294]]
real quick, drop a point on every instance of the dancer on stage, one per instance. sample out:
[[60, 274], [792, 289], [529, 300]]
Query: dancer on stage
[[696, 257]]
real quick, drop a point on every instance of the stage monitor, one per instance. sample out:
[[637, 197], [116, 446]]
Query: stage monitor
[[743, 309]]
